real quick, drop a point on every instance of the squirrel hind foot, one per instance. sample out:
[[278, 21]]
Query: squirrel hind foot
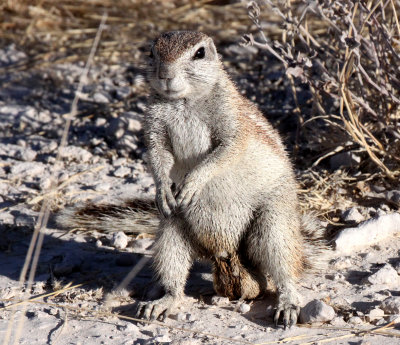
[[233, 280]]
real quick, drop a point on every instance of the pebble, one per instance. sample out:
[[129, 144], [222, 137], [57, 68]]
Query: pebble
[[356, 320], [101, 97], [23, 169], [75, 153], [26, 154], [122, 172], [375, 314], [142, 244], [6, 218], [119, 240], [387, 275], [344, 160], [337, 321], [352, 215], [244, 308], [316, 311], [391, 305], [219, 301]]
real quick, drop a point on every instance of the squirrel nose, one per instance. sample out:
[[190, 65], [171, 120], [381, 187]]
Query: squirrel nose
[[166, 72]]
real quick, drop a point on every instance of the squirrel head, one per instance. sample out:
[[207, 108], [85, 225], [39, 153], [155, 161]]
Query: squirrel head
[[183, 64]]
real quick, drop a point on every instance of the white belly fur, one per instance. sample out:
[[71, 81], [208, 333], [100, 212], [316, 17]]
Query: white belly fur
[[191, 142]]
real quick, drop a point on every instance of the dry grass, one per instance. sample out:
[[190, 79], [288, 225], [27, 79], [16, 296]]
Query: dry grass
[[347, 55]]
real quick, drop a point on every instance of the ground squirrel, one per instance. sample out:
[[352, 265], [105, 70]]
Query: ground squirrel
[[225, 186]]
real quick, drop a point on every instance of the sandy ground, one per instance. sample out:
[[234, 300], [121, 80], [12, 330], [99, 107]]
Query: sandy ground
[[104, 162]]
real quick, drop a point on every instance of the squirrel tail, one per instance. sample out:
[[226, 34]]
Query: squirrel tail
[[132, 216], [316, 246]]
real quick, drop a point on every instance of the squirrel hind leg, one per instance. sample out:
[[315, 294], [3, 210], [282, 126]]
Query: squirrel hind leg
[[235, 281]]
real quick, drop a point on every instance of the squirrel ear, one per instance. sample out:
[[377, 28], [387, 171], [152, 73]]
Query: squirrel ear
[[212, 48]]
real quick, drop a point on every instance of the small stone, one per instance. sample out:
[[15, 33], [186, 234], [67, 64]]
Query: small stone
[[119, 240], [6, 218], [391, 305], [352, 215], [99, 243], [101, 97], [316, 311], [25, 220], [355, 320], [219, 300], [387, 275], [337, 321], [244, 308], [102, 187], [75, 153], [26, 154], [28, 168], [375, 314], [122, 172], [142, 244], [181, 316], [344, 160], [117, 128]]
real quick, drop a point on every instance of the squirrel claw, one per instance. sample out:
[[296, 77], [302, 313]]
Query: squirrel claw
[[159, 309], [289, 314]]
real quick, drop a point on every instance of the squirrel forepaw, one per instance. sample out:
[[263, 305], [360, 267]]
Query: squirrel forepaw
[[187, 192], [165, 201]]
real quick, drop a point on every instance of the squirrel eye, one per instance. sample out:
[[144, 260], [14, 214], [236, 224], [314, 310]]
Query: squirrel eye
[[200, 53]]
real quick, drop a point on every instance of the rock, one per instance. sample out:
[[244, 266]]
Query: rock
[[26, 154], [117, 128], [6, 218], [344, 160], [356, 320], [244, 308], [316, 311], [101, 97], [219, 301], [122, 172], [25, 220], [391, 305], [28, 168], [393, 196], [352, 215], [75, 153], [375, 314], [337, 321], [368, 233], [142, 244], [387, 275], [119, 240]]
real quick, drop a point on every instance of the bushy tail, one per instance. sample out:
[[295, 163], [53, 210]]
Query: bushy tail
[[132, 216], [316, 247]]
